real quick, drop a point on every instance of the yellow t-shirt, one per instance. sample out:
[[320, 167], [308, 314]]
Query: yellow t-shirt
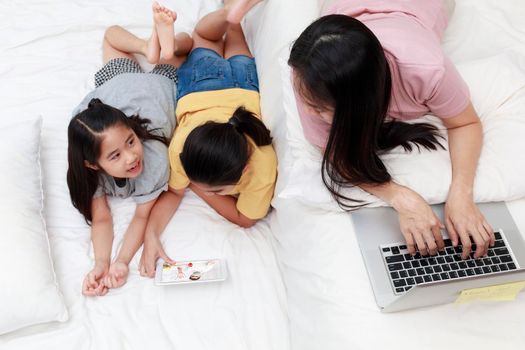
[[257, 183]]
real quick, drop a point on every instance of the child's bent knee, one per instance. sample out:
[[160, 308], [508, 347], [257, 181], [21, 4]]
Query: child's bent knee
[[111, 29]]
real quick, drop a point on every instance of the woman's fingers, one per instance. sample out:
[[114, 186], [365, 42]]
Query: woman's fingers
[[420, 242], [468, 235], [465, 242], [482, 240], [411, 246], [489, 231], [452, 233], [436, 232], [438, 237], [486, 238], [430, 242]]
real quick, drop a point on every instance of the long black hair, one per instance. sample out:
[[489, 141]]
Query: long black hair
[[84, 139], [216, 154], [339, 63]]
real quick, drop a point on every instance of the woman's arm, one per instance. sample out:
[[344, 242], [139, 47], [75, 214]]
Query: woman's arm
[[418, 223], [225, 206], [462, 217], [161, 214], [102, 238]]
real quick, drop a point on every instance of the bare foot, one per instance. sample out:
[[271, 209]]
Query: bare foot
[[164, 18], [238, 9]]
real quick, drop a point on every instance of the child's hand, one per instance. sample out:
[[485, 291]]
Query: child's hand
[[151, 252], [117, 275], [92, 285]]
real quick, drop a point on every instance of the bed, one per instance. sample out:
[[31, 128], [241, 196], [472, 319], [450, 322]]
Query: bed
[[296, 279]]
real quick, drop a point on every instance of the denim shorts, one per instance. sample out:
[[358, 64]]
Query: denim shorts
[[206, 70]]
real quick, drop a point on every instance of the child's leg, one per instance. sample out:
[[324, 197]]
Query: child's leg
[[163, 19], [170, 44], [235, 43], [238, 9], [183, 44], [210, 30], [118, 42]]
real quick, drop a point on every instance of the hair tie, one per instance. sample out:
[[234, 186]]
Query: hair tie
[[93, 102], [234, 122]]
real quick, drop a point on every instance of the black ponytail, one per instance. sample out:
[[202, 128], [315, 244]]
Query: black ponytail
[[339, 62], [84, 139], [216, 154]]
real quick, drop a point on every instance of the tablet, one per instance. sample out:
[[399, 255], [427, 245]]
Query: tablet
[[190, 272]]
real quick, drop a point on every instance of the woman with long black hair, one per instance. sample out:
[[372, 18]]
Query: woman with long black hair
[[361, 70]]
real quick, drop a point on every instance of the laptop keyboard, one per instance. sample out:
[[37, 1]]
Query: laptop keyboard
[[406, 271]]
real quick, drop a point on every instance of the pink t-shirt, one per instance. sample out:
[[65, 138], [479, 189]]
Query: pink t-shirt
[[423, 78]]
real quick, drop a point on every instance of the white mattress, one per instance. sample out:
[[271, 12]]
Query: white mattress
[[296, 279]]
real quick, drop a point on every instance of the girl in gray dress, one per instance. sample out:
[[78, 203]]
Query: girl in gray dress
[[112, 151]]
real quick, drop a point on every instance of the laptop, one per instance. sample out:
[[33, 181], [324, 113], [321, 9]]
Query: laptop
[[401, 282]]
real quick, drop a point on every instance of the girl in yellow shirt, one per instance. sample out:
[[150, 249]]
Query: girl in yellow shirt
[[221, 149]]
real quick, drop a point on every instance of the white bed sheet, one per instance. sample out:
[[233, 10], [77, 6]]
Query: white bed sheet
[[329, 295], [49, 53]]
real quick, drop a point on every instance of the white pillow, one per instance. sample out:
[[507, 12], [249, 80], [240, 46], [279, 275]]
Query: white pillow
[[497, 86], [29, 293]]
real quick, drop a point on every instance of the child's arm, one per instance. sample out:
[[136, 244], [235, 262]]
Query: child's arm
[[102, 238], [118, 271], [225, 206], [161, 214]]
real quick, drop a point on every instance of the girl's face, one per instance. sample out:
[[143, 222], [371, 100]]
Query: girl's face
[[121, 152], [213, 190]]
